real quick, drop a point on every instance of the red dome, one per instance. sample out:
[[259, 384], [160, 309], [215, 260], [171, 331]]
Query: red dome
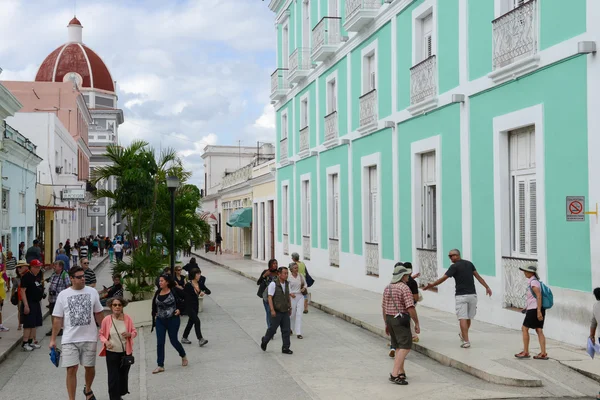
[[76, 57], [75, 21]]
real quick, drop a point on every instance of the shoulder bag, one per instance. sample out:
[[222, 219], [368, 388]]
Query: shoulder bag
[[404, 319], [309, 280], [127, 359]]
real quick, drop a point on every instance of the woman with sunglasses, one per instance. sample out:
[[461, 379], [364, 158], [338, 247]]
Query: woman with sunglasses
[[117, 333], [179, 279]]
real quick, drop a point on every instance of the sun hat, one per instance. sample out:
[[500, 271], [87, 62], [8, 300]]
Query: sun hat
[[22, 263], [399, 272], [530, 268], [35, 263]]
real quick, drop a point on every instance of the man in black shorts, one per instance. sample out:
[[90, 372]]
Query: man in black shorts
[[32, 292]]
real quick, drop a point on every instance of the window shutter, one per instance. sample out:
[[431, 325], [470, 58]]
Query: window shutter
[[373, 204], [533, 216], [373, 81], [432, 223], [522, 207], [428, 50]]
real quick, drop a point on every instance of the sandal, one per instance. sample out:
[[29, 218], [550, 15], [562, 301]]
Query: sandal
[[300, 337], [541, 356], [402, 375], [184, 361], [158, 370], [398, 380], [522, 355], [90, 393]]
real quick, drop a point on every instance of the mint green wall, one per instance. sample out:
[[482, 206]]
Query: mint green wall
[[329, 158], [307, 166], [384, 71], [378, 142], [566, 166], [342, 79], [404, 54], [312, 117], [561, 21], [285, 173], [287, 106], [447, 48], [446, 123], [480, 15]]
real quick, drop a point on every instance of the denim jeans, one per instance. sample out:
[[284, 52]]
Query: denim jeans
[[170, 326], [268, 311]]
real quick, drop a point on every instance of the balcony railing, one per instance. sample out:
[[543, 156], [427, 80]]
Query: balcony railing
[[359, 13], [427, 266], [515, 34], [17, 137], [368, 109], [304, 139], [306, 247], [238, 176], [326, 36], [372, 258], [515, 283], [423, 80], [331, 126], [286, 244], [283, 150], [300, 64], [355, 6], [334, 252], [279, 82]]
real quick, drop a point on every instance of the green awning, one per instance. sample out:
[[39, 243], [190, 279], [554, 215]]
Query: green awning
[[241, 218]]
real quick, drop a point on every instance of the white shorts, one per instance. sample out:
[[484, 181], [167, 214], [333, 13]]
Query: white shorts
[[11, 273], [466, 306], [83, 353]]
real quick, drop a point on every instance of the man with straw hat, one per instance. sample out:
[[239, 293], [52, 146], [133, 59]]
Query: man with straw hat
[[398, 308], [534, 313]]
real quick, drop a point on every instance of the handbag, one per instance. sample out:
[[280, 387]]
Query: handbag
[[14, 298], [403, 319], [309, 280], [127, 359]]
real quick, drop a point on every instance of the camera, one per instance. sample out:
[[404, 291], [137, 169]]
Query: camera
[[44, 296], [52, 292]]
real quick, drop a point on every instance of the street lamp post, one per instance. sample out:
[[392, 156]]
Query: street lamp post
[[172, 184]]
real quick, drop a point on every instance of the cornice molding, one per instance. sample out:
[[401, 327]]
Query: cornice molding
[[9, 104]]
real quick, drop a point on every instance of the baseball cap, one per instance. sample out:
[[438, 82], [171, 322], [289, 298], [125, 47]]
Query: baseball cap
[[35, 263]]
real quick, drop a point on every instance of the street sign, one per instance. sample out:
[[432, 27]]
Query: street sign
[[72, 194], [96, 211], [575, 208]]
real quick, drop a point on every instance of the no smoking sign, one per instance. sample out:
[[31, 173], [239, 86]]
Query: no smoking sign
[[575, 208]]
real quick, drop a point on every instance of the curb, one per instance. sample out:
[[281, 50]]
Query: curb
[[589, 374], [45, 315], [434, 355]]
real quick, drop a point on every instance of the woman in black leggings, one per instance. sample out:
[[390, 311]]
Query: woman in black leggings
[[193, 289]]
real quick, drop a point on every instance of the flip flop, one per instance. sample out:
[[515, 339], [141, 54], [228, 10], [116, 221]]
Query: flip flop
[[522, 355], [158, 370], [541, 356]]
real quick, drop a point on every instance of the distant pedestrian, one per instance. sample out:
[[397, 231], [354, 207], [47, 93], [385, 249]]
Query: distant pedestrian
[[75, 253], [166, 310], [302, 271], [58, 281], [60, 247], [34, 252], [32, 292], [11, 270], [218, 242], [96, 245], [192, 264], [101, 244], [118, 248], [281, 309], [179, 278], [22, 268], [194, 289], [535, 314], [62, 256], [67, 248], [265, 278], [90, 275], [111, 252], [22, 251], [116, 290], [117, 333], [398, 309], [84, 250], [297, 290], [463, 272], [78, 311], [2, 298]]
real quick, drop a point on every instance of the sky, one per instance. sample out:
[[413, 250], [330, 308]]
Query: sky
[[189, 72]]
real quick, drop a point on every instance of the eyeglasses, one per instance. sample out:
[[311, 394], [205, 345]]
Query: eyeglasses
[[85, 263], [117, 305], [78, 276]]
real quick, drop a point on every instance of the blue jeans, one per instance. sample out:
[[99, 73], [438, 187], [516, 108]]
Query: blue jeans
[[170, 326], [268, 312]]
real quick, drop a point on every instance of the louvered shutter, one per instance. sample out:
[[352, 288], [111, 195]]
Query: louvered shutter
[[373, 204], [522, 215], [533, 216], [335, 207], [427, 37], [307, 232]]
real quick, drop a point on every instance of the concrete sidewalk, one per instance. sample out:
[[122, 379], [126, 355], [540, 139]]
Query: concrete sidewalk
[[492, 347], [12, 339]]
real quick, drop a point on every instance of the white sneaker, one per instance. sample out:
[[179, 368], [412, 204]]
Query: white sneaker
[[27, 347], [35, 346], [4, 329]]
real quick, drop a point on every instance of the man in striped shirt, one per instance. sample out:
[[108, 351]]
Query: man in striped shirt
[[90, 276], [11, 269]]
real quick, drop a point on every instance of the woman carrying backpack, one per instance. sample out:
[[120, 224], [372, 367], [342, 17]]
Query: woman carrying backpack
[[535, 314]]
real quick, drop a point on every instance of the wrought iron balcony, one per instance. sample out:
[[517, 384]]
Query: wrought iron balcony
[[14, 135], [427, 259], [515, 34], [326, 37], [359, 13], [279, 83], [334, 252], [423, 82], [372, 258], [515, 283], [283, 150], [300, 64], [286, 244], [304, 139], [238, 176], [368, 110], [306, 247], [331, 126]]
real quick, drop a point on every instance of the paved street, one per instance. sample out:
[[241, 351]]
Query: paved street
[[336, 360]]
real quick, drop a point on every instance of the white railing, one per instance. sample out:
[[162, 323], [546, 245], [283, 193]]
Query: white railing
[[515, 282], [299, 60], [427, 266], [283, 150], [354, 6], [331, 126], [304, 139], [278, 80], [238, 176], [286, 244], [368, 108], [306, 247], [334, 252], [326, 33], [423, 80], [5, 220], [515, 34], [372, 258]]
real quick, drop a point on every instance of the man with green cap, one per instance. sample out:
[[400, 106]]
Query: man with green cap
[[398, 307]]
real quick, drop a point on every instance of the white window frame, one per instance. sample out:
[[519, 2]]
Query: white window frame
[[331, 103], [304, 111], [305, 204], [285, 44], [333, 217], [306, 24], [285, 204], [502, 7], [5, 199], [284, 124], [369, 68], [22, 202], [428, 7], [330, 10], [371, 207], [502, 125], [429, 204]]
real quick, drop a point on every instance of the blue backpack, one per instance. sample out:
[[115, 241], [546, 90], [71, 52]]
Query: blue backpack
[[547, 296]]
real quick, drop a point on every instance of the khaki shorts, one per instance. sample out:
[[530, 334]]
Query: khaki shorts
[[466, 306], [83, 353], [11, 273], [400, 336]]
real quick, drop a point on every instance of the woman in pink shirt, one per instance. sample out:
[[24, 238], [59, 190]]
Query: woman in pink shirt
[[534, 313], [117, 333]]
